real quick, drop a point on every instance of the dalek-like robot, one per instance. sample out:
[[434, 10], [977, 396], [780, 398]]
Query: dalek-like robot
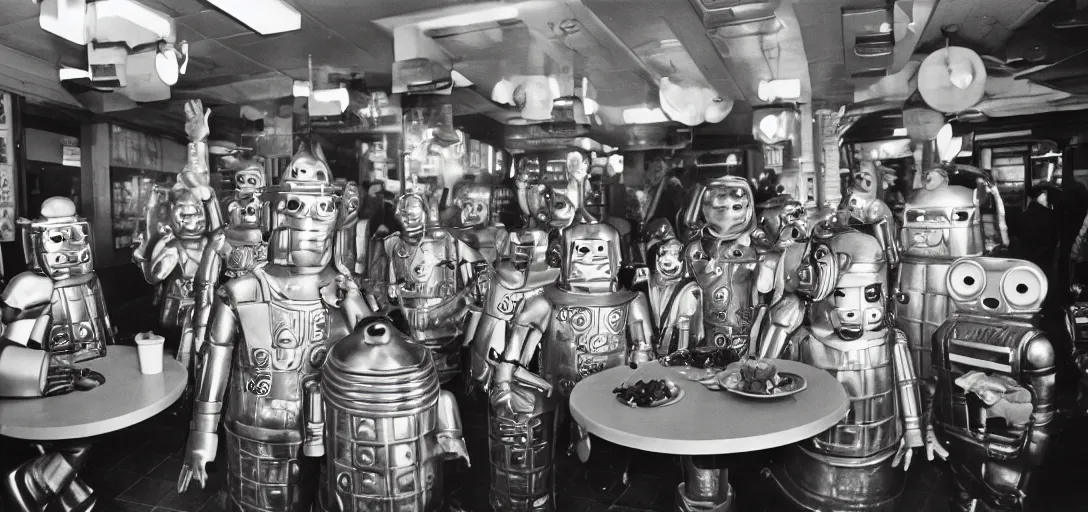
[[390, 427], [583, 324], [995, 400], [851, 466], [267, 339], [433, 276], [54, 315]]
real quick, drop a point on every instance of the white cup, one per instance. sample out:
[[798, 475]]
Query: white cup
[[149, 346]]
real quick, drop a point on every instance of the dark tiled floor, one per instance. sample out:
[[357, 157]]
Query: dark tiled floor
[[136, 470]]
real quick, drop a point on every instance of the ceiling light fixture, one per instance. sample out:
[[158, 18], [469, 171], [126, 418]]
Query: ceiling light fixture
[[73, 74], [171, 62], [64, 18], [787, 89], [899, 132], [262, 16], [644, 115]]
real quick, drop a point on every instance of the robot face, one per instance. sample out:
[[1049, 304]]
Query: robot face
[[64, 250], [996, 285], [934, 179], [668, 263], [857, 310], [307, 167], [249, 180], [527, 246], [864, 180], [818, 271], [308, 221], [473, 211], [187, 216], [727, 209], [940, 217], [245, 212], [412, 213]]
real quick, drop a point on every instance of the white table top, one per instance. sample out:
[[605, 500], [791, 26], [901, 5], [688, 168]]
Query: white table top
[[128, 397], [708, 422]]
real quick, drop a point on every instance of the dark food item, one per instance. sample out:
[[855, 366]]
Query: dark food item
[[644, 394], [702, 357]]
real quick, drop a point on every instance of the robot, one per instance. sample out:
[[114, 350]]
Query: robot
[[852, 465], [433, 275], [941, 224], [53, 315], [675, 299], [995, 398], [583, 324], [475, 226], [725, 264], [389, 424], [233, 250], [862, 206], [267, 339]]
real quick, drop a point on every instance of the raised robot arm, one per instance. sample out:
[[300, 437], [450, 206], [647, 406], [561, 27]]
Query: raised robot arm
[[640, 329], [196, 175], [1038, 366], [207, 278], [211, 389]]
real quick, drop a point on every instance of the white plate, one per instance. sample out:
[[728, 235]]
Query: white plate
[[799, 384]]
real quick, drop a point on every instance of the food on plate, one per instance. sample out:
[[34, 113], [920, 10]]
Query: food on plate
[[703, 357], [645, 393], [759, 377]]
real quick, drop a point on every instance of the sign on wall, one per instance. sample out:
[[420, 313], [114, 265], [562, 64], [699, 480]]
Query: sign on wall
[[7, 171]]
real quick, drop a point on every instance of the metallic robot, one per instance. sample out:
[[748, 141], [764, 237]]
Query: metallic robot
[[583, 324], [852, 465], [390, 426], [433, 275], [675, 299], [941, 224], [280, 319], [992, 339], [234, 250], [863, 207], [722, 259], [53, 315], [475, 225]]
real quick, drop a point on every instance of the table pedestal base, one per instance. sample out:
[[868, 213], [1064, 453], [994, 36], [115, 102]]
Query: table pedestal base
[[50, 478], [820, 482], [706, 486]]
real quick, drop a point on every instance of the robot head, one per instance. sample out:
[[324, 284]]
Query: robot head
[[810, 268], [866, 180], [473, 201], [996, 286], [724, 206], [245, 211], [669, 261], [783, 220], [413, 214], [304, 213], [550, 207], [590, 257], [930, 212], [857, 304], [527, 247], [248, 177], [58, 243], [187, 217], [935, 178]]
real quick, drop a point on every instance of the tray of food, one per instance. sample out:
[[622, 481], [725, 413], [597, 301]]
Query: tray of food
[[756, 378], [649, 393]]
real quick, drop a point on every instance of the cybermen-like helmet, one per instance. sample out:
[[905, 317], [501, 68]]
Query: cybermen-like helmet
[[857, 304], [58, 243], [304, 212], [473, 201], [413, 214], [248, 176], [723, 206], [590, 257], [996, 286], [187, 217]]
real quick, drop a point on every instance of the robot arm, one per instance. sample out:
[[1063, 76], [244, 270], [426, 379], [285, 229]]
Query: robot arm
[[1038, 365], [640, 329], [783, 319], [910, 397], [23, 371], [450, 438], [511, 366], [884, 226], [207, 277], [164, 259], [22, 302]]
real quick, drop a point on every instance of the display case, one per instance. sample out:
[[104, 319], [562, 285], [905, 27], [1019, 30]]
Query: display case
[[138, 161]]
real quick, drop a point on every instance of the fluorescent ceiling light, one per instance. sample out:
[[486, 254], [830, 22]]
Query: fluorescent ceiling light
[[788, 89], [73, 74], [137, 13], [1003, 135], [644, 115], [899, 132], [333, 96], [485, 16], [300, 89], [459, 80], [64, 18], [262, 16]]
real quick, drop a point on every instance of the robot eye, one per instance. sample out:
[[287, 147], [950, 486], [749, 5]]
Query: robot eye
[[966, 280], [320, 175], [600, 248], [325, 206], [294, 205], [960, 216], [479, 207], [839, 293], [56, 238], [872, 293], [1022, 287]]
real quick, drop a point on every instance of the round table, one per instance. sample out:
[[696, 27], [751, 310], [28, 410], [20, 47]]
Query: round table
[[707, 422], [126, 398]]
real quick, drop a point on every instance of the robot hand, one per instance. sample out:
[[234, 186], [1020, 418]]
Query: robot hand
[[196, 121], [65, 379], [933, 445], [164, 258], [904, 455], [516, 401], [200, 451]]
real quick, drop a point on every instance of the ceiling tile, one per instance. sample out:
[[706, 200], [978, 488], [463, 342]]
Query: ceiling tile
[[290, 50], [213, 24], [212, 60], [28, 37], [16, 11], [176, 7]]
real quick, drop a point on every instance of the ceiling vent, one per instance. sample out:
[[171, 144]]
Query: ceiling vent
[[868, 40]]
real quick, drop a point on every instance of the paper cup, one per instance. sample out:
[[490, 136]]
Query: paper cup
[[149, 346]]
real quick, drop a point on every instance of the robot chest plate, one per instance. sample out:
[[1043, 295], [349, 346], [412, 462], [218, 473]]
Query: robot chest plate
[[427, 266], [293, 341], [986, 348], [594, 329]]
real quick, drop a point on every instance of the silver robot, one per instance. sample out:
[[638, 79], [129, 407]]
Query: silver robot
[[390, 427], [267, 339], [852, 465], [862, 206], [997, 431]]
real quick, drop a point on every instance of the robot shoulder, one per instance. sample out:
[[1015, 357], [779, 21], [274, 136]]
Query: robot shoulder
[[1038, 353], [28, 289], [242, 289]]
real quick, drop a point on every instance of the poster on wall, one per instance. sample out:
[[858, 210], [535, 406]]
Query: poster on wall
[[7, 172]]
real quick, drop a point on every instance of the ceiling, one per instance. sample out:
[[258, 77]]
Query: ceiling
[[621, 46]]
